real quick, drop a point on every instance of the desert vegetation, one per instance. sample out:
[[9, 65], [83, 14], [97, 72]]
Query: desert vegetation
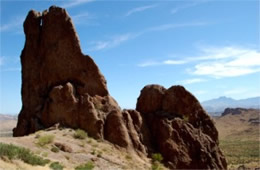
[[80, 134], [14, 152], [46, 139], [239, 152]]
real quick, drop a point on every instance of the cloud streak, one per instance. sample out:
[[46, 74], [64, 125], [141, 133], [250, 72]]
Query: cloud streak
[[186, 6], [191, 81], [113, 42], [228, 62], [75, 3], [117, 40], [139, 9], [218, 62]]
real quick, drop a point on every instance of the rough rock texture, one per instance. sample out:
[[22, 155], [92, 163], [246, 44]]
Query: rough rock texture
[[182, 131], [62, 85]]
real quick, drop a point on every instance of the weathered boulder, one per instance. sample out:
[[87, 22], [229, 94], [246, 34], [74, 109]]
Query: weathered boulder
[[180, 129]]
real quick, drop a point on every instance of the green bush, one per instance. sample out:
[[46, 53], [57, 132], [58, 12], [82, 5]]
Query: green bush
[[157, 157], [157, 166], [55, 149], [15, 152], [56, 166], [43, 140], [80, 134], [88, 166]]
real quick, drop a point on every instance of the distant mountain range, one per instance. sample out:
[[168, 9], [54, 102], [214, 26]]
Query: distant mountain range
[[216, 106]]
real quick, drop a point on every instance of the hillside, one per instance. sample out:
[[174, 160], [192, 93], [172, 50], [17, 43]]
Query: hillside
[[216, 106], [61, 145], [239, 134], [238, 124]]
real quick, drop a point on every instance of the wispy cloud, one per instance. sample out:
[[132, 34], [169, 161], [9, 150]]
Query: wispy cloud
[[191, 81], [172, 26], [74, 3], [139, 9], [165, 62], [113, 42], [14, 24], [117, 40], [186, 6], [228, 62], [84, 18], [218, 62]]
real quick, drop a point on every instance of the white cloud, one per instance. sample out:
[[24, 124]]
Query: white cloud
[[149, 63], [218, 62], [228, 62], [115, 41], [191, 81], [14, 24], [140, 9], [74, 3], [165, 62], [83, 18], [172, 26], [174, 62], [185, 6]]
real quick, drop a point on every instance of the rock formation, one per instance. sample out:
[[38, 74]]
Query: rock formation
[[62, 85], [184, 134]]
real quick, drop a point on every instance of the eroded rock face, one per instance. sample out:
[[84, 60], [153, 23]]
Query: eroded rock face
[[182, 131], [62, 85]]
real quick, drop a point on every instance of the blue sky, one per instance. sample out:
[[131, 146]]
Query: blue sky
[[210, 47]]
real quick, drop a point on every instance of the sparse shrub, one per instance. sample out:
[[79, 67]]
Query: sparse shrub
[[45, 154], [15, 152], [93, 152], [156, 161], [157, 166], [55, 149], [99, 154], [44, 140], [157, 157], [88, 166], [80, 134], [56, 166], [90, 141], [128, 157], [186, 118]]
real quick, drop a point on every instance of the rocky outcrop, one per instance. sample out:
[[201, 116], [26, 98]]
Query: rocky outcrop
[[182, 131], [235, 111], [62, 85]]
